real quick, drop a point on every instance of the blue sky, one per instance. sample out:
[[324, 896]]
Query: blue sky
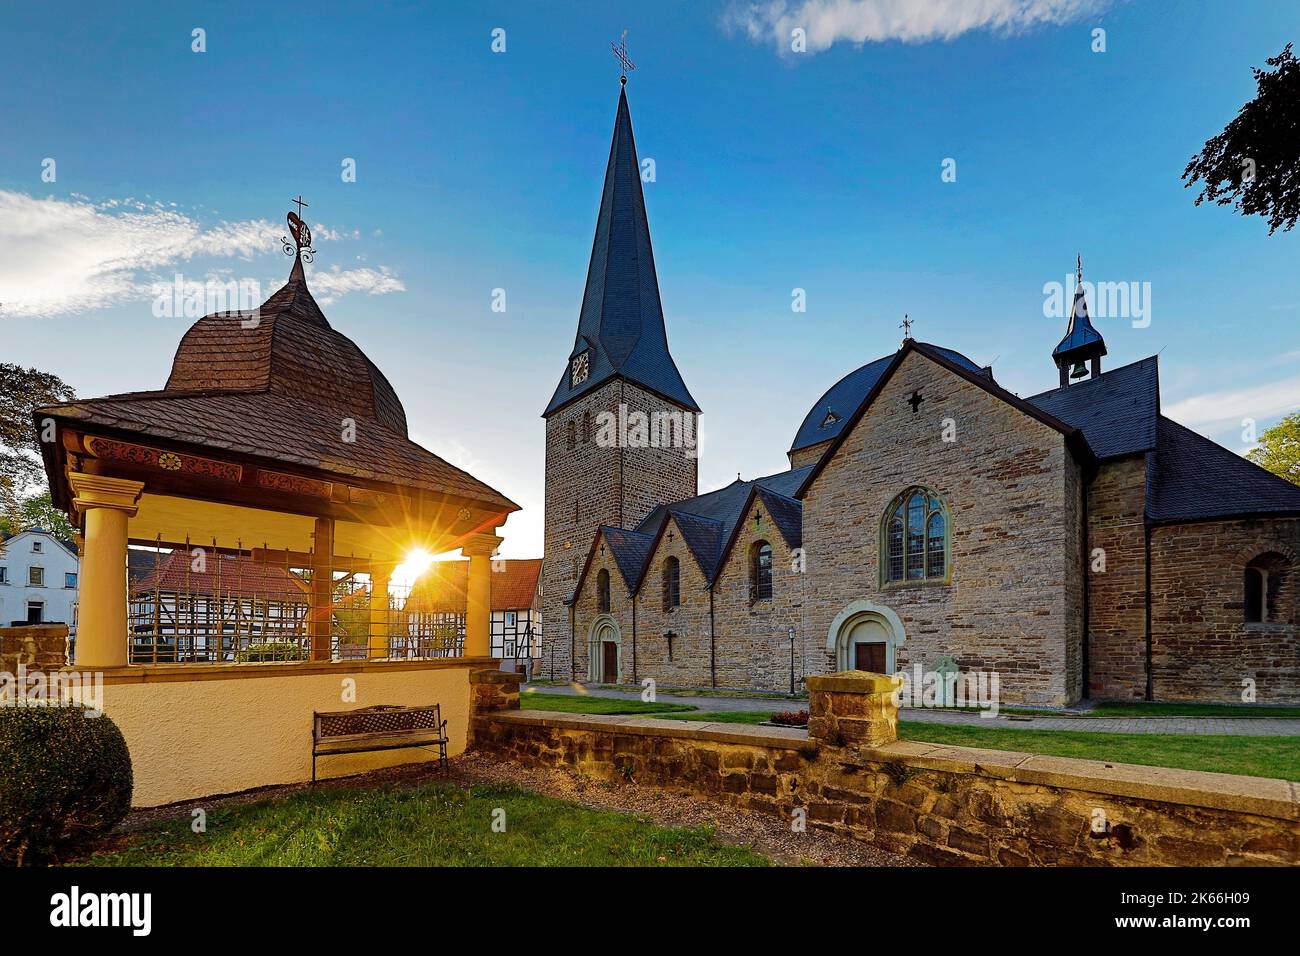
[[774, 170]]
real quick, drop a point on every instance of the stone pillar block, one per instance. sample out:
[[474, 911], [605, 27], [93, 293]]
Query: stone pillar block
[[852, 708], [490, 691]]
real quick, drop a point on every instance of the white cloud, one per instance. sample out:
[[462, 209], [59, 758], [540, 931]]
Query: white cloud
[[1217, 411], [827, 22], [64, 256], [328, 284]]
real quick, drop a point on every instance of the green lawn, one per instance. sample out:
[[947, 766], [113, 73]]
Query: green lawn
[[426, 825], [1251, 756], [578, 704]]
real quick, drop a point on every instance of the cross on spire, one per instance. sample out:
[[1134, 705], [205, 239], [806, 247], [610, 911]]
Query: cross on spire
[[620, 51], [906, 326], [300, 203], [1078, 272]]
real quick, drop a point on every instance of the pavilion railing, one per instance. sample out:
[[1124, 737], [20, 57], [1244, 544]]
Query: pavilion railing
[[191, 604]]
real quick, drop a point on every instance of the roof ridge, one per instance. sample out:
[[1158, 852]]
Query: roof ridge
[[1154, 357]]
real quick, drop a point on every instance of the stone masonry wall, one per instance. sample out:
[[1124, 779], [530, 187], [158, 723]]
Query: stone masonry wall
[[688, 665], [753, 636], [1013, 538], [1202, 649], [588, 485], [941, 805], [1117, 594], [42, 647]]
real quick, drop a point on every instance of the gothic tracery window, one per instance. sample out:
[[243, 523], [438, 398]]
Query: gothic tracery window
[[914, 538]]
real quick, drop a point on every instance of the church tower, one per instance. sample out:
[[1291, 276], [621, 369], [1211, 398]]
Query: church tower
[[621, 431]]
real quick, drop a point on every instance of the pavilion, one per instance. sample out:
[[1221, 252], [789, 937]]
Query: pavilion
[[274, 439]]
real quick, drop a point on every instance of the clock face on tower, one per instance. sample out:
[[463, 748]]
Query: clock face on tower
[[579, 370]]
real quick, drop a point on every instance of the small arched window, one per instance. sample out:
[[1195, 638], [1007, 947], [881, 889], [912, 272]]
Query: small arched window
[[602, 591], [914, 538], [586, 427], [760, 571], [1265, 581], [572, 434], [672, 583]]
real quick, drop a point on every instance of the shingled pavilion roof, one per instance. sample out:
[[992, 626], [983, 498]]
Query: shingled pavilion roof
[[277, 384]]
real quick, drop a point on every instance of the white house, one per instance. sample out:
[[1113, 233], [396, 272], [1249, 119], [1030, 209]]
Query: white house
[[38, 580]]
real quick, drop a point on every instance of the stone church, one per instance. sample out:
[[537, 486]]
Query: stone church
[[1076, 542]]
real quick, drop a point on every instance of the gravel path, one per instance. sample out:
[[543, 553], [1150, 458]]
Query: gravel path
[[769, 835]]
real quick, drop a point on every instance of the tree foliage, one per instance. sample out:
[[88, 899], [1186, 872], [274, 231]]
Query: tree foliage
[[1279, 449], [21, 390], [1255, 162]]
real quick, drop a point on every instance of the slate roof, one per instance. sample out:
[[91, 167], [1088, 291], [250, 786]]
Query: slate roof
[[1192, 478], [622, 321], [708, 524], [1116, 411], [443, 588], [843, 398], [276, 384]]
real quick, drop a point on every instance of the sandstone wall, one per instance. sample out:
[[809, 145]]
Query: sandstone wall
[[1202, 648], [1014, 535]]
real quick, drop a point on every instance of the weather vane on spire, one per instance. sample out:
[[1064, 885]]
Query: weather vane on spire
[[301, 244], [1078, 272], [620, 51]]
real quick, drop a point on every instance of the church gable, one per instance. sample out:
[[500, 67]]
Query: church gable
[[998, 483]]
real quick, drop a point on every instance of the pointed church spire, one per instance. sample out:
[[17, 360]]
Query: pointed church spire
[[621, 330], [1082, 343]]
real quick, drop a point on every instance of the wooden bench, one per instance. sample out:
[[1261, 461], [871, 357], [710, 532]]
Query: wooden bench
[[382, 727]]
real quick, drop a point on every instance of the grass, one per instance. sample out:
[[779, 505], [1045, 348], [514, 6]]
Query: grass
[[1250, 756], [577, 704], [426, 825]]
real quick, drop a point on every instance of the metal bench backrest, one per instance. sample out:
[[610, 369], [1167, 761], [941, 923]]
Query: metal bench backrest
[[377, 720]]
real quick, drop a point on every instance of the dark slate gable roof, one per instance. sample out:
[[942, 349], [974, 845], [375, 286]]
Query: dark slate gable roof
[[1193, 478], [708, 525], [843, 398], [1117, 411], [631, 551], [622, 319]]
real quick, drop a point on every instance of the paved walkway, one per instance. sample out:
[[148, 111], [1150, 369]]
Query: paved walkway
[[1230, 726]]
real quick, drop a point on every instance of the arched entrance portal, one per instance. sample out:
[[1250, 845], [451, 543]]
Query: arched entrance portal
[[603, 650], [865, 637]]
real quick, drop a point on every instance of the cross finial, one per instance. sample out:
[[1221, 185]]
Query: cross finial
[[1078, 272], [620, 51], [906, 326], [300, 203]]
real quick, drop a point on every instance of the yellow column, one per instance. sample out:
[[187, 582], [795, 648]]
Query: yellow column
[[379, 615], [106, 503], [478, 605]]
